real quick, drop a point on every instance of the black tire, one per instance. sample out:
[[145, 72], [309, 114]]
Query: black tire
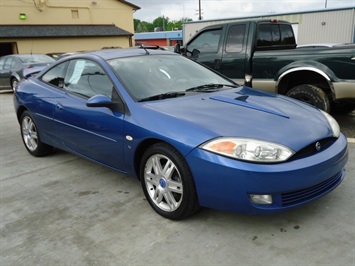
[[312, 95], [30, 136], [167, 182], [14, 83]]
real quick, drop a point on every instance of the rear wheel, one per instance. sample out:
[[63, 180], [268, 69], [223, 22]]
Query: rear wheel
[[31, 138], [312, 95], [168, 183]]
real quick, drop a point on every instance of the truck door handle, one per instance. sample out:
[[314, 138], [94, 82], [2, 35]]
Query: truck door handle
[[353, 58]]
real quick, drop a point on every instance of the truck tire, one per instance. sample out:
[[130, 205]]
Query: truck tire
[[312, 95]]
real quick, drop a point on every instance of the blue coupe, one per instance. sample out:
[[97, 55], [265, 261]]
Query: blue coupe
[[191, 136]]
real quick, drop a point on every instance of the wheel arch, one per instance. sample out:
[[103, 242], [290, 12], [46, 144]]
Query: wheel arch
[[142, 147], [305, 75], [20, 111]]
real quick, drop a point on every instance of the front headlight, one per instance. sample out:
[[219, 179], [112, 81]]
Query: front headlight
[[249, 149], [333, 124]]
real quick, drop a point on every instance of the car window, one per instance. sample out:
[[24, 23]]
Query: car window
[[206, 42], [144, 76], [235, 39], [86, 78], [9, 63], [55, 76]]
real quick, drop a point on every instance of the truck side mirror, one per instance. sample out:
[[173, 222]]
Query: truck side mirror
[[177, 48]]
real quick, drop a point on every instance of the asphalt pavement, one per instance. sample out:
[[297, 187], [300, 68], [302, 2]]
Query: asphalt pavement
[[65, 210]]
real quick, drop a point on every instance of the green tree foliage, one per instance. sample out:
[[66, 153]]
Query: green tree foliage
[[161, 23]]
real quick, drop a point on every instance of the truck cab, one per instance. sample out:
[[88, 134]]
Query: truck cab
[[229, 48]]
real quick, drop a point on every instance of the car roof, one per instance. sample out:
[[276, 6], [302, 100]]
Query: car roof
[[108, 54]]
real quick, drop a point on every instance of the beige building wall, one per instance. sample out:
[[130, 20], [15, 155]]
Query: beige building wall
[[48, 12], [68, 12]]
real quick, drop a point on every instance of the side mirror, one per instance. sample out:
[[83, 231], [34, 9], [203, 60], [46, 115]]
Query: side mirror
[[177, 48], [104, 101], [99, 101]]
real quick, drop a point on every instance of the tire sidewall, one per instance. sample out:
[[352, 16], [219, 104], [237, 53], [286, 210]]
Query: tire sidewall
[[189, 203], [42, 149], [313, 94]]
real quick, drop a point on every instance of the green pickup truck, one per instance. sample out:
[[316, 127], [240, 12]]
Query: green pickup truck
[[263, 54]]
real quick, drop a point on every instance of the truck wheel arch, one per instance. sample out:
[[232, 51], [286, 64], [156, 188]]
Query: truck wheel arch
[[311, 76]]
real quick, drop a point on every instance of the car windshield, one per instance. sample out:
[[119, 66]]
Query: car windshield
[[36, 58], [154, 77]]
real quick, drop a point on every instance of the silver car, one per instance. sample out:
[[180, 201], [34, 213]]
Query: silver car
[[14, 67]]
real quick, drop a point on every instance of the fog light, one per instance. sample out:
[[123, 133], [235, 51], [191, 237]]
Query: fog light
[[261, 199]]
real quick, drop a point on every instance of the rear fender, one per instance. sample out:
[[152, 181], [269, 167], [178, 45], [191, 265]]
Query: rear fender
[[312, 68]]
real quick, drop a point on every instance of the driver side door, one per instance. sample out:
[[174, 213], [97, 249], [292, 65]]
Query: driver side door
[[92, 132]]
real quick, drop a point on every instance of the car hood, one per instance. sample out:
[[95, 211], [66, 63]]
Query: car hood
[[241, 112]]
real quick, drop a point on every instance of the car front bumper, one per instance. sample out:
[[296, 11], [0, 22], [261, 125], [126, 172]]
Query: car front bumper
[[226, 184]]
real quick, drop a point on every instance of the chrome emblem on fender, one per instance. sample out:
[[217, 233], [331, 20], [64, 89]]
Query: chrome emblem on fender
[[318, 146]]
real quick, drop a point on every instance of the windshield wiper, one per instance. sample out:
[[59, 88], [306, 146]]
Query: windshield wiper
[[162, 96], [210, 87]]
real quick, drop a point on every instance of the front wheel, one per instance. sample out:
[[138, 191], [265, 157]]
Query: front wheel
[[312, 95], [168, 183], [31, 138]]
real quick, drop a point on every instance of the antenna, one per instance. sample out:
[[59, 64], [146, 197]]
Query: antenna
[[142, 47]]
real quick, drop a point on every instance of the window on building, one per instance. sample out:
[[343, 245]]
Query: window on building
[[75, 13]]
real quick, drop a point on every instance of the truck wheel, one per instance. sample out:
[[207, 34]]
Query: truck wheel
[[312, 95]]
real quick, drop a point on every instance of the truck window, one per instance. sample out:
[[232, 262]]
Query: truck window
[[235, 39], [287, 36], [264, 35], [275, 35], [206, 42]]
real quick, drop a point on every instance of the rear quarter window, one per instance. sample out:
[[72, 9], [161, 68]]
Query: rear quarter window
[[270, 35], [55, 76]]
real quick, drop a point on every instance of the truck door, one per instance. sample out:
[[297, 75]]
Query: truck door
[[233, 63], [205, 48]]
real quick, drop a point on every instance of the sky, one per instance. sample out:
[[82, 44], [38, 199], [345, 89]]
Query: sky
[[221, 9]]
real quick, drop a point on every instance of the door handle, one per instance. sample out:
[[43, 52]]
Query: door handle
[[58, 107]]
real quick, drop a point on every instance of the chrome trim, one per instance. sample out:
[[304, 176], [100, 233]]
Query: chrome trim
[[304, 68]]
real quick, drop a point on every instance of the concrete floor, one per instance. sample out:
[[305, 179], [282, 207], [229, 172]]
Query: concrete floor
[[64, 210]]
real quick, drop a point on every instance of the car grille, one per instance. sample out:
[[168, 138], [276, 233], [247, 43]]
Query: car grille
[[300, 196], [311, 149]]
